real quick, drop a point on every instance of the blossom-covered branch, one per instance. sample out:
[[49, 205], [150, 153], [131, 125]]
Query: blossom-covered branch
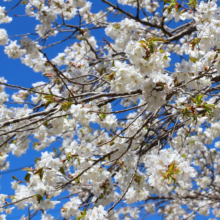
[[135, 112]]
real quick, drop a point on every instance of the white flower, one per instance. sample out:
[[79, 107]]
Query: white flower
[[3, 158], [110, 122], [204, 182], [13, 50], [2, 199], [167, 168], [3, 37], [29, 46], [40, 189], [71, 208], [96, 214], [150, 207], [46, 217], [48, 204], [21, 96], [78, 3], [2, 217], [4, 18]]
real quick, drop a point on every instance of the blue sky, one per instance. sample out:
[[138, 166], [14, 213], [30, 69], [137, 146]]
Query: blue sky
[[18, 74]]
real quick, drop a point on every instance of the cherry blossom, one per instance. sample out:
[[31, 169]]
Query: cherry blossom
[[130, 101]]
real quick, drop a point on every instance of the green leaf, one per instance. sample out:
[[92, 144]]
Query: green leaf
[[172, 165], [65, 106], [116, 26], [26, 168], [158, 39], [40, 172], [69, 98], [50, 92], [102, 116], [77, 180], [210, 105], [69, 156], [142, 42], [200, 97], [62, 170], [111, 143], [184, 155], [24, 2], [194, 100], [55, 150], [151, 48], [83, 214], [27, 177], [39, 198], [192, 3], [194, 60], [110, 76], [36, 159], [15, 178], [165, 57], [47, 103]]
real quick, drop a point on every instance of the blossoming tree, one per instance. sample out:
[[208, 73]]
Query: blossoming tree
[[138, 136]]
